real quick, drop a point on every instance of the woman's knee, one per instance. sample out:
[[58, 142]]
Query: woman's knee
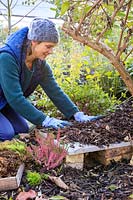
[[6, 132], [18, 122], [24, 128], [8, 135], [6, 129]]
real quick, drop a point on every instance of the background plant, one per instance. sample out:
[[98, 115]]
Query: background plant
[[96, 23], [87, 77]]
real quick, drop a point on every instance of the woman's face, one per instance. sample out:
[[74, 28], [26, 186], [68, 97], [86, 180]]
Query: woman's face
[[42, 49]]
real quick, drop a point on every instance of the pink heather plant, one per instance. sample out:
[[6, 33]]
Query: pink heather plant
[[48, 152]]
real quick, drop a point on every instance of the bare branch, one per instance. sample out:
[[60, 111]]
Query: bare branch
[[27, 14], [10, 3], [125, 43], [3, 4], [87, 14], [3, 15], [128, 55], [14, 4], [111, 20], [123, 28]]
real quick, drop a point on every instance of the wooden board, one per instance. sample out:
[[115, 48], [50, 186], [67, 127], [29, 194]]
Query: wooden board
[[115, 154], [80, 155], [77, 148], [10, 183]]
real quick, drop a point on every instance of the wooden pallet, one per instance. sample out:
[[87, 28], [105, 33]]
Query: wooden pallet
[[11, 183], [80, 155]]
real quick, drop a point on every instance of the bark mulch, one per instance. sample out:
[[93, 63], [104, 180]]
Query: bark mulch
[[113, 182], [113, 128]]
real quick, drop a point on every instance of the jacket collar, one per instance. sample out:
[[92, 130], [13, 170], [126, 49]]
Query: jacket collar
[[15, 43]]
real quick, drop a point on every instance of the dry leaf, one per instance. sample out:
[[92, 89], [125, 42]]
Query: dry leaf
[[126, 139], [24, 135], [58, 182], [26, 195], [131, 161], [41, 198], [107, 127]]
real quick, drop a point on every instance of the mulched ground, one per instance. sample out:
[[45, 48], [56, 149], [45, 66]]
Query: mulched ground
[[113, 182], [113, 128]]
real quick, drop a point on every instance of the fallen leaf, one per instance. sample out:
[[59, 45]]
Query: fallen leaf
[[58, 198], [126, 139], [58, 182], [107, 127], [24, 135], [131, 161], [41, 198], [131, 196], [26, 195], [112, 187]]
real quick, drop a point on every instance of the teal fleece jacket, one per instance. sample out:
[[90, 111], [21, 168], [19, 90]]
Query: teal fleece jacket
[[14, 90]]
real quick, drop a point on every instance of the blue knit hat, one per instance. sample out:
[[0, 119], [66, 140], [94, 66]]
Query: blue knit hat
[[43, 30]]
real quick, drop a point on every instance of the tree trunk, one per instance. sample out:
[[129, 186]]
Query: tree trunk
[[9, 17], [108, 53]]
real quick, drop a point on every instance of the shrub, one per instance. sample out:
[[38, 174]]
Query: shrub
[[48, 153]]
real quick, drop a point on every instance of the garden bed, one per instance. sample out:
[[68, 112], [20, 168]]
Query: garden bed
[[110, 138], [113, 181], [116, 127]]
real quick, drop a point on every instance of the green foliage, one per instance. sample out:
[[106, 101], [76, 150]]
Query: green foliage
[[33, 178], [18, 147], [3, 33], [64, 7], [29, 2], [45, 176], [98, 18], [105, 26], [86, 76], [14, 145]]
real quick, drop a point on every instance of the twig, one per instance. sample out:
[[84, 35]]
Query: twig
[[124, 23], [27, 14], [125, 44], [90, 12], [111, 20], [3, 4], [127, 55], [3, 15], [14, 4]]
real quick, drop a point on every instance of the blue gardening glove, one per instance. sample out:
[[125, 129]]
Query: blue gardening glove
[[51, 122], [81, 117]]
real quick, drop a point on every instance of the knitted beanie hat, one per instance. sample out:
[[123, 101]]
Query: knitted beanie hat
[[43, 30]]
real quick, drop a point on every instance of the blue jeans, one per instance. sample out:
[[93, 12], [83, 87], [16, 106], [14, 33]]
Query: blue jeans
[[11, 123]]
